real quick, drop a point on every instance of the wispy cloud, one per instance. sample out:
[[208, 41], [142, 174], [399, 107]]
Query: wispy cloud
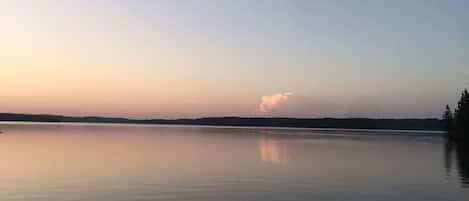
[[268, 103]]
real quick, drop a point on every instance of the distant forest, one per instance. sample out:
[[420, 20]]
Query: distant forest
[[351, 123]]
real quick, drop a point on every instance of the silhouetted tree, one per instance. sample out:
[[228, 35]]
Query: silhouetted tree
[[462, 113], [459, 127], [448, 118]]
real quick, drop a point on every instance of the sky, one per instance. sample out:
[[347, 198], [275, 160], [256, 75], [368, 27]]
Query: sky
[[196, 58]]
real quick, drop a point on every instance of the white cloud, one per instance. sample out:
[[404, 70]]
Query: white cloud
[[298, 105], [268, 103]]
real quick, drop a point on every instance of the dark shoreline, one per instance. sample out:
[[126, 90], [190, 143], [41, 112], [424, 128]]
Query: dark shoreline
[[335, 123]]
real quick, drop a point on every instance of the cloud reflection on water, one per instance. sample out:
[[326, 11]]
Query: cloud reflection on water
[[272, 151]]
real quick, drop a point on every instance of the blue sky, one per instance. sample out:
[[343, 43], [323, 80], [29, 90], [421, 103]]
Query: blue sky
[[212, 58]]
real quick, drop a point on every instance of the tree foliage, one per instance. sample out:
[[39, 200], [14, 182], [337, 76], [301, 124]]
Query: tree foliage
[[457, 124], [448, 118]]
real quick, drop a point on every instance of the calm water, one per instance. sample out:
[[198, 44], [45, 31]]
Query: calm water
[[67, 162]]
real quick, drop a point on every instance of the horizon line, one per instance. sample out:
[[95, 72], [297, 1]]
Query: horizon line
[[209, 117]]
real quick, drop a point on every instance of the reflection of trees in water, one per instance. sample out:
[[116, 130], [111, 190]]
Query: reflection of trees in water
[[457, 156]]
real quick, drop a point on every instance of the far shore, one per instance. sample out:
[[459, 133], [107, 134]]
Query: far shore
[[350, 124]]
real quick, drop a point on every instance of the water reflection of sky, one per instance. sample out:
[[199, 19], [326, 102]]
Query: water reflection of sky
[[121, 162]]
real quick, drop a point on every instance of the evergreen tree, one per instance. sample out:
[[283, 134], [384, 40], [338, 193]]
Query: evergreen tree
[[462, 115], [448, 118]]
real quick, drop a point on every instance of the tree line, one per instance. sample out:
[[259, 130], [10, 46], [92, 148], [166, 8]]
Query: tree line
[[348, 123], [457, 121]]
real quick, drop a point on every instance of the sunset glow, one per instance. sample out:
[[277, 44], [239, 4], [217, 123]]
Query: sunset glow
[[166, 59]]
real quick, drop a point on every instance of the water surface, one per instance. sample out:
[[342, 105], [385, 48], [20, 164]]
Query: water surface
[[68, 162]]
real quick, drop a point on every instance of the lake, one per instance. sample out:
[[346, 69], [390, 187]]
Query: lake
[[106, 162]]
